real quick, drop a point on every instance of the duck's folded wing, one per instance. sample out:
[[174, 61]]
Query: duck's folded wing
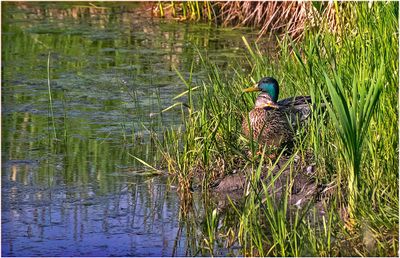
[[297, 107], [298, 101]]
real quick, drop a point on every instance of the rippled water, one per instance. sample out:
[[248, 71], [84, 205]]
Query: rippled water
[[112, 70]]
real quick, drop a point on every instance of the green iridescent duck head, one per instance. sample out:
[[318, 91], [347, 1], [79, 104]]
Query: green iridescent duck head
[[266, 85]]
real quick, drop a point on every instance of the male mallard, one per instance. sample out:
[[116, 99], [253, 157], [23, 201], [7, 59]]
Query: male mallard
[[274, 122]]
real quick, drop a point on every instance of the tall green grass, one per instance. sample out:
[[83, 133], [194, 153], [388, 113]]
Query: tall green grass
[[354, 144], [190, 10], [353, 121], [51, 112]]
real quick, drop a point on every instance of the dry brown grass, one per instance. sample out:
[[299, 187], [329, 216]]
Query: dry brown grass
[[278, 17]]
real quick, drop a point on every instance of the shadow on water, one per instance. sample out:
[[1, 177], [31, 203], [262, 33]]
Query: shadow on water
[[111, 73]]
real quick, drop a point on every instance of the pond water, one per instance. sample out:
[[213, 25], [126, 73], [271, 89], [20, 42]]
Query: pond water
[[70, 186]]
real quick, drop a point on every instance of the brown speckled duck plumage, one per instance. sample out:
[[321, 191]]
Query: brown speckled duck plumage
[[275, 123]]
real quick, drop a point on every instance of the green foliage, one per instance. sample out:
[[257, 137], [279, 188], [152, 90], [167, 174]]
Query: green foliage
[[353, 119], [190, 10], [354, 71]]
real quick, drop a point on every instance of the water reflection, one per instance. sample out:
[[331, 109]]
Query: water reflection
[[111, 73], [138, 217]]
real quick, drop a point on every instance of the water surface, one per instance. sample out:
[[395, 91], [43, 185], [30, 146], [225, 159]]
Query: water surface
[[74, 189]]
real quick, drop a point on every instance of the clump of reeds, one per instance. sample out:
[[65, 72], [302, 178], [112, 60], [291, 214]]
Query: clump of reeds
[[287, 17], [353, 114], [185, 11], [275, 16]]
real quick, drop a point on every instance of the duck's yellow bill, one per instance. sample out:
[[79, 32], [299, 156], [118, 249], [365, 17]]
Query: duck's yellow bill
[[251, 89]]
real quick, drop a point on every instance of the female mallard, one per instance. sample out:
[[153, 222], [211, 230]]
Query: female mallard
[[274, 122]]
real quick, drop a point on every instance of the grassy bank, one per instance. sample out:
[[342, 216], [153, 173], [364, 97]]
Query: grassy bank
[[355, 148]]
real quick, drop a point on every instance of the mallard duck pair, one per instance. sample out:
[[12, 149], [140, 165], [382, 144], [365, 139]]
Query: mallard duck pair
[[274, 122]]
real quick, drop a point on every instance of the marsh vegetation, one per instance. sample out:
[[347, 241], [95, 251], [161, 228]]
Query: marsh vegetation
[[100, 99], [353, 145]]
